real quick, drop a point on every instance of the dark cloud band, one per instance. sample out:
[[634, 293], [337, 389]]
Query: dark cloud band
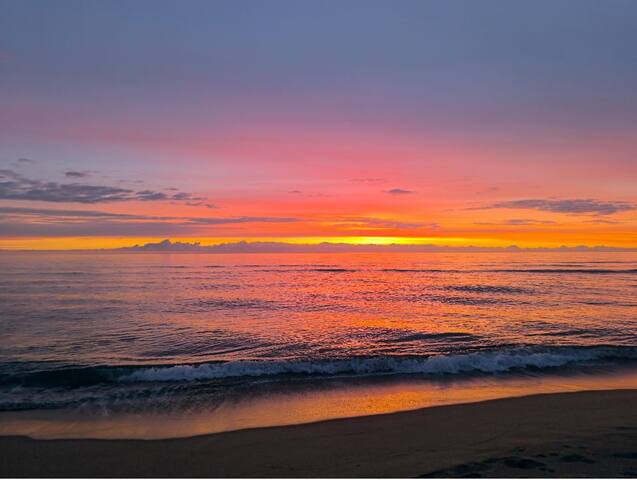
[[573, 206], [15, 186]]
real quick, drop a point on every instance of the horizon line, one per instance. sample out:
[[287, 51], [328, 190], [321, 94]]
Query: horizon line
[[246, 246]]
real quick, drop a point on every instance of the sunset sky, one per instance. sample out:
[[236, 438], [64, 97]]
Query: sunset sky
[[447, 122]]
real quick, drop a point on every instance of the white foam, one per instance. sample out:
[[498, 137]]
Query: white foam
[[482, 362]]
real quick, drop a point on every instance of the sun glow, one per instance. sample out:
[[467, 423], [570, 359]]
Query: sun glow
[[98, 243]]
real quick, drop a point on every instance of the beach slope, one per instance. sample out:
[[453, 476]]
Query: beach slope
[[573, 434]]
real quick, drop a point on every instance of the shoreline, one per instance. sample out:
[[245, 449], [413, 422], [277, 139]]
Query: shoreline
[[302, 403], [590, 433]]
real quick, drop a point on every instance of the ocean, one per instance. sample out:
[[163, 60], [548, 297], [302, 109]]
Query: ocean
[[156, 344]]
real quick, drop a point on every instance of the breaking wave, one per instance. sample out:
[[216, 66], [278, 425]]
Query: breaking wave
[[479, 362], [42, 386]]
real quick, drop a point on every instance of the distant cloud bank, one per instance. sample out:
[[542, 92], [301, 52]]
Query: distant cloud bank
[[326, 247]]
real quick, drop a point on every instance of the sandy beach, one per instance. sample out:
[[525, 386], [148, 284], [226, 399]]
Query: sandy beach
[[591, 434]]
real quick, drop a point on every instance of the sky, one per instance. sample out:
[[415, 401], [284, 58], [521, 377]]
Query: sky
[[450, 122]]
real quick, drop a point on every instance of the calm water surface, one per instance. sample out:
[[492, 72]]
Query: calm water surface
[[117, 335]]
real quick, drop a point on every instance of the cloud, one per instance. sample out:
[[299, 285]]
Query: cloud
[[519, 221], [308, 194], [76, 174], [21, 162], [150, 195], [45, 212], [94, 228], [65, 215], [225, 221], [602, 221], [573, 207], [18, 221], [327, 247], [201, 204], [22, 221], [371, 222], [368, 180], [192, 200], [46, 221], [399, 191], [15, 186], [184, 196]]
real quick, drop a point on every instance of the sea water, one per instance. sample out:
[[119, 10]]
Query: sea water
[[158, 344]]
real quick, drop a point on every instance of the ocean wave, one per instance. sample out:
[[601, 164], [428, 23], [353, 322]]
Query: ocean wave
[[591, 271], [421, 270], [443, 336], [80, 384], [458, 300], [211, 304], [535, 358], [333, 270], [307, 270], [493, 289], [513, 359]]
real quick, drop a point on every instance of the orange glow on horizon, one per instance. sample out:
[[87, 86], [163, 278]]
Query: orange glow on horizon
[[91, 243]]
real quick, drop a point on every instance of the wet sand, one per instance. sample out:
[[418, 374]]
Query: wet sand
[[585, 434]]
